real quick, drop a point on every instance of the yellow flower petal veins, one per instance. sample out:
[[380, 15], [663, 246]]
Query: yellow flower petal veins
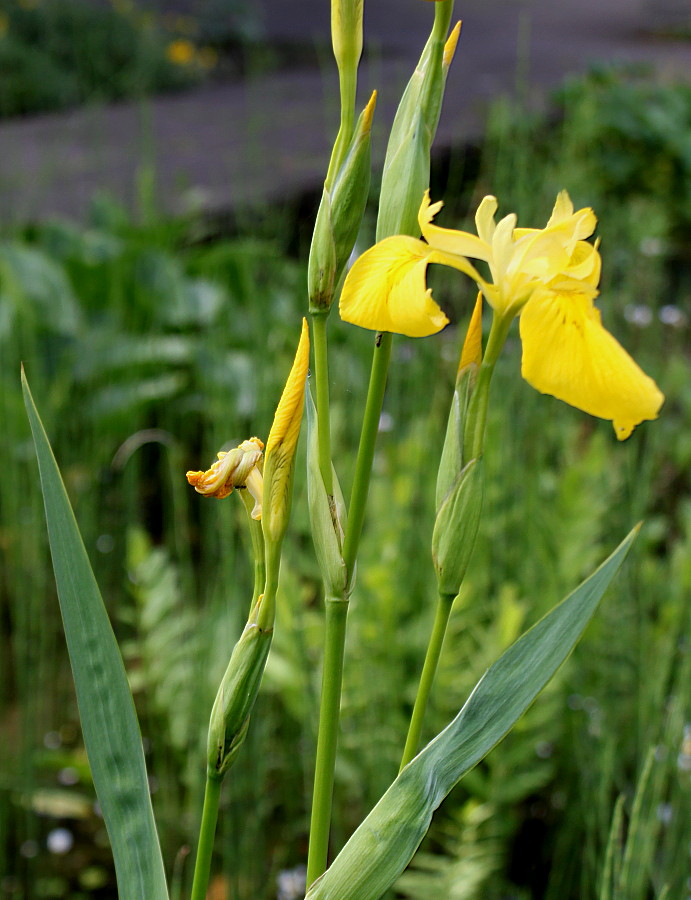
[[569, 354]]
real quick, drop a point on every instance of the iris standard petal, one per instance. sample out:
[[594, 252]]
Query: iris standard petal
[[386, 291], [484, 218], [568, 353], [448, 240]]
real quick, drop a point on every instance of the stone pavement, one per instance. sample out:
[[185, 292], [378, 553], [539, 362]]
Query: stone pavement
[[224, 146]]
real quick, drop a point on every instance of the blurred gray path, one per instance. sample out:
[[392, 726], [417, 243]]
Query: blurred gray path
[[221, 147]]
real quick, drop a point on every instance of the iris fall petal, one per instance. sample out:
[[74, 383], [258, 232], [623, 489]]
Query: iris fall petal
[[386, 290], [568, 353]]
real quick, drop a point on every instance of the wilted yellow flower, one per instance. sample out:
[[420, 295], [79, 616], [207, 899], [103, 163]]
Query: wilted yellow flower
[[238, 468], [549, 276], [180, 52]]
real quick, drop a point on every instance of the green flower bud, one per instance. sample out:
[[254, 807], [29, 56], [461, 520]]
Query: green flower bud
[[236, 696], [327, 514], [339, 217], [346, 33], [455, 528], [459, 485], [406, 169]]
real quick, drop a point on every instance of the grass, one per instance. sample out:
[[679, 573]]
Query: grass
[[148, 351]]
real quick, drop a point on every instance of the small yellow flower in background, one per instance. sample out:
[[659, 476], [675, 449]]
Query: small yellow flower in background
[[238, 468], [180, 52], [548, 276]]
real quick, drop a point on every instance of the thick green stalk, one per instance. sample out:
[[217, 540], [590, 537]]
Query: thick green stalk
[[441, 618], [205, 847], [336, 618], [348, 89], [368, 439], [327, 741], [321, 377]]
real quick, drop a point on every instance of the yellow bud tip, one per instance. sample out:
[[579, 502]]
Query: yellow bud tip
[[286, 424], [368, 114], [451, 44], [472, 346]]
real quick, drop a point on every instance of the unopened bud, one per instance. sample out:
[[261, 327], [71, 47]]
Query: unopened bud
[[282, 443], [340, 215], [406, 169], [450, 46], [327, 515], [455, 528], [460, 484], [236, 696], [346, 33]]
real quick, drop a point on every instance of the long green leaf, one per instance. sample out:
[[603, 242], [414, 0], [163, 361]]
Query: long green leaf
[[385, 842], [109, 721]]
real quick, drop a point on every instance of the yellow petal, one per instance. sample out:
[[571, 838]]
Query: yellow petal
[[567, 353], [484, 218], [386, 290], [563, 209], [286, 425], [447, 240]]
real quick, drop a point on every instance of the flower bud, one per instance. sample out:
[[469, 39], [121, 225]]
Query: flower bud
[[340, 215], [406, 169], [236, 696], [327, 514], [346, 33], [281, 446], [455, 528], [459, 485]]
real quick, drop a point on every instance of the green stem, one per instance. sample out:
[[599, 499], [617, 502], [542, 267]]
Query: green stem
[[329, 712], [266, 613], [442, 20], [429, 670], [207, 832], [321, 377], [368, 439], [348, 88], [336, 618]]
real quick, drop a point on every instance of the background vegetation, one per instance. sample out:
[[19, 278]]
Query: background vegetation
[[150, 345]]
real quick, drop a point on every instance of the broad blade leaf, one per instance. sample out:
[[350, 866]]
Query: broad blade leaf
[[385, 842], [109, 721]]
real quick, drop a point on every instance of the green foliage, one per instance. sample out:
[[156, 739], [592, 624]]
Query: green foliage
[[57, 53], [153, 347], [109, 722]]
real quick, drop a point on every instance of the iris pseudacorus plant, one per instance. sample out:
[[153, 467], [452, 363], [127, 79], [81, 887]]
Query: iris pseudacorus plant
[[547, 276]]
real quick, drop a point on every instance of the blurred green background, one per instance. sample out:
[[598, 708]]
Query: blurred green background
[[151, 343]]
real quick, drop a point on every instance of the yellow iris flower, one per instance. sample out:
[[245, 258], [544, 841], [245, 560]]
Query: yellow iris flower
[[549, 276]]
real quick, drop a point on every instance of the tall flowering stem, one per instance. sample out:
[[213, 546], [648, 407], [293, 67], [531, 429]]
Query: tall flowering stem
[[408, 149]]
